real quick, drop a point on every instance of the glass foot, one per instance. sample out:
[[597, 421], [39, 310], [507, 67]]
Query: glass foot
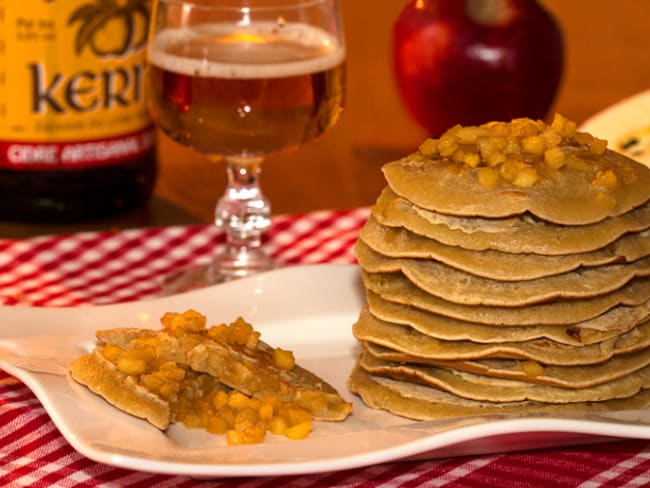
[[231, 265]]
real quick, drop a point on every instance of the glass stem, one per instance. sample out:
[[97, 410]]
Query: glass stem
[[243, 213]]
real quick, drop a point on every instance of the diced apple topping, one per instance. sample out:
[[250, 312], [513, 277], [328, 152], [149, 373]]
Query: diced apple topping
[[190, 320], [244, 420], [521, 152], [532, 368]]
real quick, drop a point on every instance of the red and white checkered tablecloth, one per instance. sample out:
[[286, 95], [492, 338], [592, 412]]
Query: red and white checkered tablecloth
[[110, 267]]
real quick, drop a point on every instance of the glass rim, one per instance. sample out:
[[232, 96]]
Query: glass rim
[[238, 5]]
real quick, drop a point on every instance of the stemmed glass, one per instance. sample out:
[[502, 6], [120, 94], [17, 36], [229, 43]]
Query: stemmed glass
[[236, 80]]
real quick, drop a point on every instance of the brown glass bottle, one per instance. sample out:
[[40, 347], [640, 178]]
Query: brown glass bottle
[[76, 140]]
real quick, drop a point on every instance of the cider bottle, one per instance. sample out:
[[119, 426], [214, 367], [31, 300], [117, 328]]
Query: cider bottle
[[76, 140]]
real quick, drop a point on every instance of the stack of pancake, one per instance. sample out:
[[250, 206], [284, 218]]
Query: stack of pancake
[[507, 269]]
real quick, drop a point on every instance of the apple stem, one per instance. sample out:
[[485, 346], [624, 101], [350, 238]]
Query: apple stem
[[490, 12]]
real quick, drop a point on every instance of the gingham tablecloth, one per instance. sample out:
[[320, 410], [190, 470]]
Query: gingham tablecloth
[[110, 267]]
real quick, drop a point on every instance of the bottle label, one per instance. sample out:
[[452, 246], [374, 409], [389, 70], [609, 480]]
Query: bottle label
[[71, 83]]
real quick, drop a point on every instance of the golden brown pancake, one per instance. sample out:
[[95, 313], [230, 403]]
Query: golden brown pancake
[[398, 242], [121, 390], [612, 323], [494, 389], [250, 371], [425, 403], [591, 185], [405, 344], [536, 373], [456, 286], [396, 288], [521, 235]]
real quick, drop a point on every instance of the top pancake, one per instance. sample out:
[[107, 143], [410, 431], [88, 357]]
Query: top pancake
[[524, 166]]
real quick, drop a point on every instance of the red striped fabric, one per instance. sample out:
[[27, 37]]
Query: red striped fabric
[[111, 267]]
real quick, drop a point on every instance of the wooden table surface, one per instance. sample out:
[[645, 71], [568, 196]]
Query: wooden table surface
[[606, 60]]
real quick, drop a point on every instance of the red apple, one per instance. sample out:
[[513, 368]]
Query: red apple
[[472, 61]]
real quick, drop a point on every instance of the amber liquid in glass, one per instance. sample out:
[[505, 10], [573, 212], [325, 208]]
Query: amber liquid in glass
[[249, 92]]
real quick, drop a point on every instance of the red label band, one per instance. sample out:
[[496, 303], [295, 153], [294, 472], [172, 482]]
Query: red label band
[[78, 154]]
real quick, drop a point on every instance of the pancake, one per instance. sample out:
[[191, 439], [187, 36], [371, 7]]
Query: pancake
[[121, 390], [425, 403], [612, 323], [524, 235], [559, 376], [250, 370], [396, 288], [457, 286], [405, 344], [486, 388], [591, 185], [398, 242]]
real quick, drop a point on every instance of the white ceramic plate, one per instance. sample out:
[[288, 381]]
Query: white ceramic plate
[[626, 126], [309, 309]]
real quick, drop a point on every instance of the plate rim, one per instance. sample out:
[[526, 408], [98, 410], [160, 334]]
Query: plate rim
[[613, 108]]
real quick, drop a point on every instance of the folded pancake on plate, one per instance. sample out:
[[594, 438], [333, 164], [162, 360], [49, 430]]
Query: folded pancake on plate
[[207, 377], [507, 269], [127, 392], [249, 366]]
